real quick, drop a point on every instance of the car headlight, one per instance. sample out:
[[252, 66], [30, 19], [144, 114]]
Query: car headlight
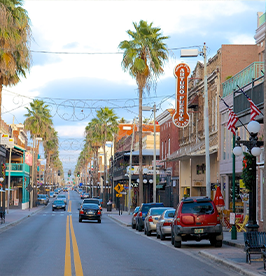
[[54, 205]]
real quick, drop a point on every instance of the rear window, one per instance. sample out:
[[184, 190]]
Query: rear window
[[170, 214], [146, 208], [157, 211], [91, 201], [90, 206], [197, 208]]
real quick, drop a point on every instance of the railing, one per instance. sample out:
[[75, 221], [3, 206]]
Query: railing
[[18, 167], [244, 77]]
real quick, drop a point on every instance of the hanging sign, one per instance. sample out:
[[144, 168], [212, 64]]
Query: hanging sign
[[4, 139], [181, 116]]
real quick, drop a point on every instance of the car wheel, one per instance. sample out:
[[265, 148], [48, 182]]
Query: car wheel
[[218, 243], [140, 229], [80, 220], [172, 238], [99, 221], [53, 209], [162, 237], [64, 208], [157, 235], [148, 233], [212, 241], [177, 244], [145, 231], [133, 226]]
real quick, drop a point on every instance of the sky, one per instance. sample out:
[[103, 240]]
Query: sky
[[76, 62]]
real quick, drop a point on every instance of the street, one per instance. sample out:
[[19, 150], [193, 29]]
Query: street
[[55, 243]]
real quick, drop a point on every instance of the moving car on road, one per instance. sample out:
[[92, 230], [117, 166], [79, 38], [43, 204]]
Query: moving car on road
[[43, 199], [196, 218], [58, 204], [62, 197], [90, 211]]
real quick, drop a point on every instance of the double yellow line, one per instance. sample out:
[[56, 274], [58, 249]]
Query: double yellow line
[[77, 261]]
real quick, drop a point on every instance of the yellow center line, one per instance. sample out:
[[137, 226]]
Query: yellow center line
[[77, 261], [67, 253]]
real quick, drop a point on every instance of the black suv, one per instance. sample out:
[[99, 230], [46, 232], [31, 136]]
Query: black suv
[[143, 210], [196, 218]]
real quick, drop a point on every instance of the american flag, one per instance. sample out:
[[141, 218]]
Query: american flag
[[232, 121], [254, 110]]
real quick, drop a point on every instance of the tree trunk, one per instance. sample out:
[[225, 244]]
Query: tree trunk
[[140, 149]]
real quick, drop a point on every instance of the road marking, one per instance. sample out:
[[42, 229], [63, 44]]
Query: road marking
[[67, 253], [77, 261]]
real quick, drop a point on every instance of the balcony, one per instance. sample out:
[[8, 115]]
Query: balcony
[[244, 77], [18, 169]]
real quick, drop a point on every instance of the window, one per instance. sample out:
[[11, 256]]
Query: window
[[169, 147], [162, 150]]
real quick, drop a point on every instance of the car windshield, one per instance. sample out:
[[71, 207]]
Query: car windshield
[[59, 202], [197, 208], [61, 196], [90, 206], [42, 196]]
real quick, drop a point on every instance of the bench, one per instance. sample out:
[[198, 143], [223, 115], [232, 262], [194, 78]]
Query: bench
[[255, 243]]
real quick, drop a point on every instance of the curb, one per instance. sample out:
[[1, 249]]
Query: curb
[[234, 244], [119, 221], [229, 264]]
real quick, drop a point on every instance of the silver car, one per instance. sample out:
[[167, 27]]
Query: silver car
[[62, 197], [152, 218], [163, 226]]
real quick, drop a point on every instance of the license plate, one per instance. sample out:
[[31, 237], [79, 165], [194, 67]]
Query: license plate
[[198, 231], [90, 212]]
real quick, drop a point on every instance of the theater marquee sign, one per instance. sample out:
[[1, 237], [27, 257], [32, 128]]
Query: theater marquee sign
[[181, 116]]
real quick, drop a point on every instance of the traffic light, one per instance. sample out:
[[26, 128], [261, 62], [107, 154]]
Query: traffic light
[[78, 174], [59, 173]]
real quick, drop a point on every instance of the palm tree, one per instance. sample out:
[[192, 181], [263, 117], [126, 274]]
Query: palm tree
[[144, 56], [15, 36]]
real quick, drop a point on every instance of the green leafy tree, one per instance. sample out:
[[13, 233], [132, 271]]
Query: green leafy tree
[[144, 56], [15, 34]]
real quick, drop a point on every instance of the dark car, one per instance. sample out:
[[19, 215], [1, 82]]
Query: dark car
[[90, 211], [143, 210], [196, 218], [58, 204], [134, 214]]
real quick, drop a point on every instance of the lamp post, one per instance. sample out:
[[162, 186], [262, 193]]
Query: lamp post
[[195, 53], [253, 146], [144, 108]]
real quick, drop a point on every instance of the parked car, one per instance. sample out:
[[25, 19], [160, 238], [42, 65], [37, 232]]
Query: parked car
[[90, 211], [84, 195], [92, 200], [143, 210], [196, 218], [43, 199], [100, 199], [163, 226], [134, 214], [59, 204], [152, 218], [62, 197]]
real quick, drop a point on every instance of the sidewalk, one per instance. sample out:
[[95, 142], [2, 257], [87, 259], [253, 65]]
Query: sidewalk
[[231, 255], [15, 216]]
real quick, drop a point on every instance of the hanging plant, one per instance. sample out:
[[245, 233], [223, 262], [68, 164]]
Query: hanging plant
[[247, 174]]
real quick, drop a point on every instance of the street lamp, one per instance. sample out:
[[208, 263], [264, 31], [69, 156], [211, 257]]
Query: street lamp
[[154, 149], [195, 53], [253, 146]]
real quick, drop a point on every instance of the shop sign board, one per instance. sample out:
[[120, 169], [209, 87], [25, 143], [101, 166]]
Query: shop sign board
[[181, 116]]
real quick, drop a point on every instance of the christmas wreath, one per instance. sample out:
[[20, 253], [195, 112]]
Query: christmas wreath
[[247, 174]]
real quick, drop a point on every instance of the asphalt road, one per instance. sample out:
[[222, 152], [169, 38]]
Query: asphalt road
[[55, 243]]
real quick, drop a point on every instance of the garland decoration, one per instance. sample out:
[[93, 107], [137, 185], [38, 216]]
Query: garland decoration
[[3, 171], [247, 174]]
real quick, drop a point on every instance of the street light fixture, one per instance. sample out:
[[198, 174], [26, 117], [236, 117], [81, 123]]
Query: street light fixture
[[253, 146]]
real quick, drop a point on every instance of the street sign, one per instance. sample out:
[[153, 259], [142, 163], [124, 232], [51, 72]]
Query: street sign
[[119, 188], [118, 195], [29, 188], [123, 193], [4, 139]]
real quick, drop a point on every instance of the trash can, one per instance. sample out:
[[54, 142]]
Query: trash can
[[109, 207]]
